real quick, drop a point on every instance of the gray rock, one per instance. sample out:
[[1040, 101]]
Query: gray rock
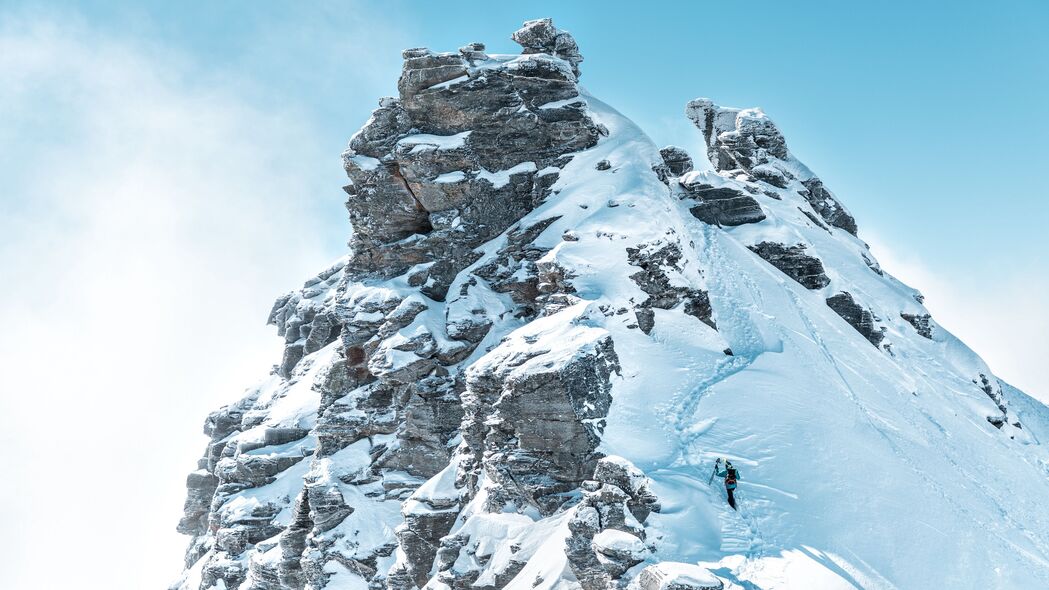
[[583, 527], [828, 207], [225, 569], [723, 205], [496, 118], [746, 140], [736, 138], [625, 476], [676, 159], [794, 262], [874, 266], [612, 502], [541, 36], [472, 52], [993, 392], [419, 537], [655, 260], [293, 544], [678, 576], [200, 488], [536, 434], [858, 317], [920, 322], [513, 270], [327, 506]]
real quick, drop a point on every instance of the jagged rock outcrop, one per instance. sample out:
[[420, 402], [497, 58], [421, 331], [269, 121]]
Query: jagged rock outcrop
[[921, 323], [533, 420], [607, 531], [677, 160], [720, 205], [527, 315], [304, 320], [857, 316], [468, 148], [540, 36], [794, 262], [994, 392], [747, 141], [658, 261]]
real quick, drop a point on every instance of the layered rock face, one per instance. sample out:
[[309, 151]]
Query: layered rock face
[[376, 373], [745, 143], [514, 376], [472, 144]]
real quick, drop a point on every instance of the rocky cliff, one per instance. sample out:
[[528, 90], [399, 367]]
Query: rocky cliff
[[546, 329]]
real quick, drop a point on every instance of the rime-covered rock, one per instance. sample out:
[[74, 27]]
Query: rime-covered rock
[[676, 576], [533, 420], [676, 159], [746, 140], [541, 36]]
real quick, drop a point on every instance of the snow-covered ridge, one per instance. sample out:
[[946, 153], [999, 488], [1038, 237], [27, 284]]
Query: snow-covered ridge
[[547, 330]]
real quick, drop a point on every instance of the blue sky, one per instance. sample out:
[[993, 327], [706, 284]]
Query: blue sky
[[169, 168], [903, 107]]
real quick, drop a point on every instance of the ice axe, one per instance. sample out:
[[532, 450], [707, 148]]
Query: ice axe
[[715, 472]]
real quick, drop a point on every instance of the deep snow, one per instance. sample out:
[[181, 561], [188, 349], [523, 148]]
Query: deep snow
[[862, 467]]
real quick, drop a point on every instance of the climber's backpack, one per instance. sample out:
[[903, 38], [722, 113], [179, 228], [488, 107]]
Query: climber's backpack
[[730, 476]]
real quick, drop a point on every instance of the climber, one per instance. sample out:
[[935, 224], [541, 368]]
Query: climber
[[731, 475]]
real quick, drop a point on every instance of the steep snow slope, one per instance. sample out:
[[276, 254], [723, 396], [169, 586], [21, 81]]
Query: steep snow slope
[[547, 331]]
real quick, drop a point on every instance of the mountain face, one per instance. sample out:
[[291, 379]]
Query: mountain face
[[545, 332]]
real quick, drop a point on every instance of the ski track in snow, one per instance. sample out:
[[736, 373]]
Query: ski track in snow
[[739, 528], [891, 442]]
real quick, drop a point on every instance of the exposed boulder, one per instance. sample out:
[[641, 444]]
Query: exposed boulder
[[994, 392], [671, 575], [828, 207], [515, 270], [921, 323], [200, 488], [656, 261], [429, 514], [736, 138], [607, 532], [858, 317], [794, 262], [677, 160], [721, 205], [541, 36], [305, 318]]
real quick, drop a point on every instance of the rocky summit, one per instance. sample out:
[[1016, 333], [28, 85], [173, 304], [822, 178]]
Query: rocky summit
[[545, 332]]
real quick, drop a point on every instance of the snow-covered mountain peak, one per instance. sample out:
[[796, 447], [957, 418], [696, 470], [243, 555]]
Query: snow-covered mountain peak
[[546, 331]]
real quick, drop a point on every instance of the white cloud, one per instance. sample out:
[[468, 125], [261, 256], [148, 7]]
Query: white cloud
[[1000, 315], [149, 223]]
